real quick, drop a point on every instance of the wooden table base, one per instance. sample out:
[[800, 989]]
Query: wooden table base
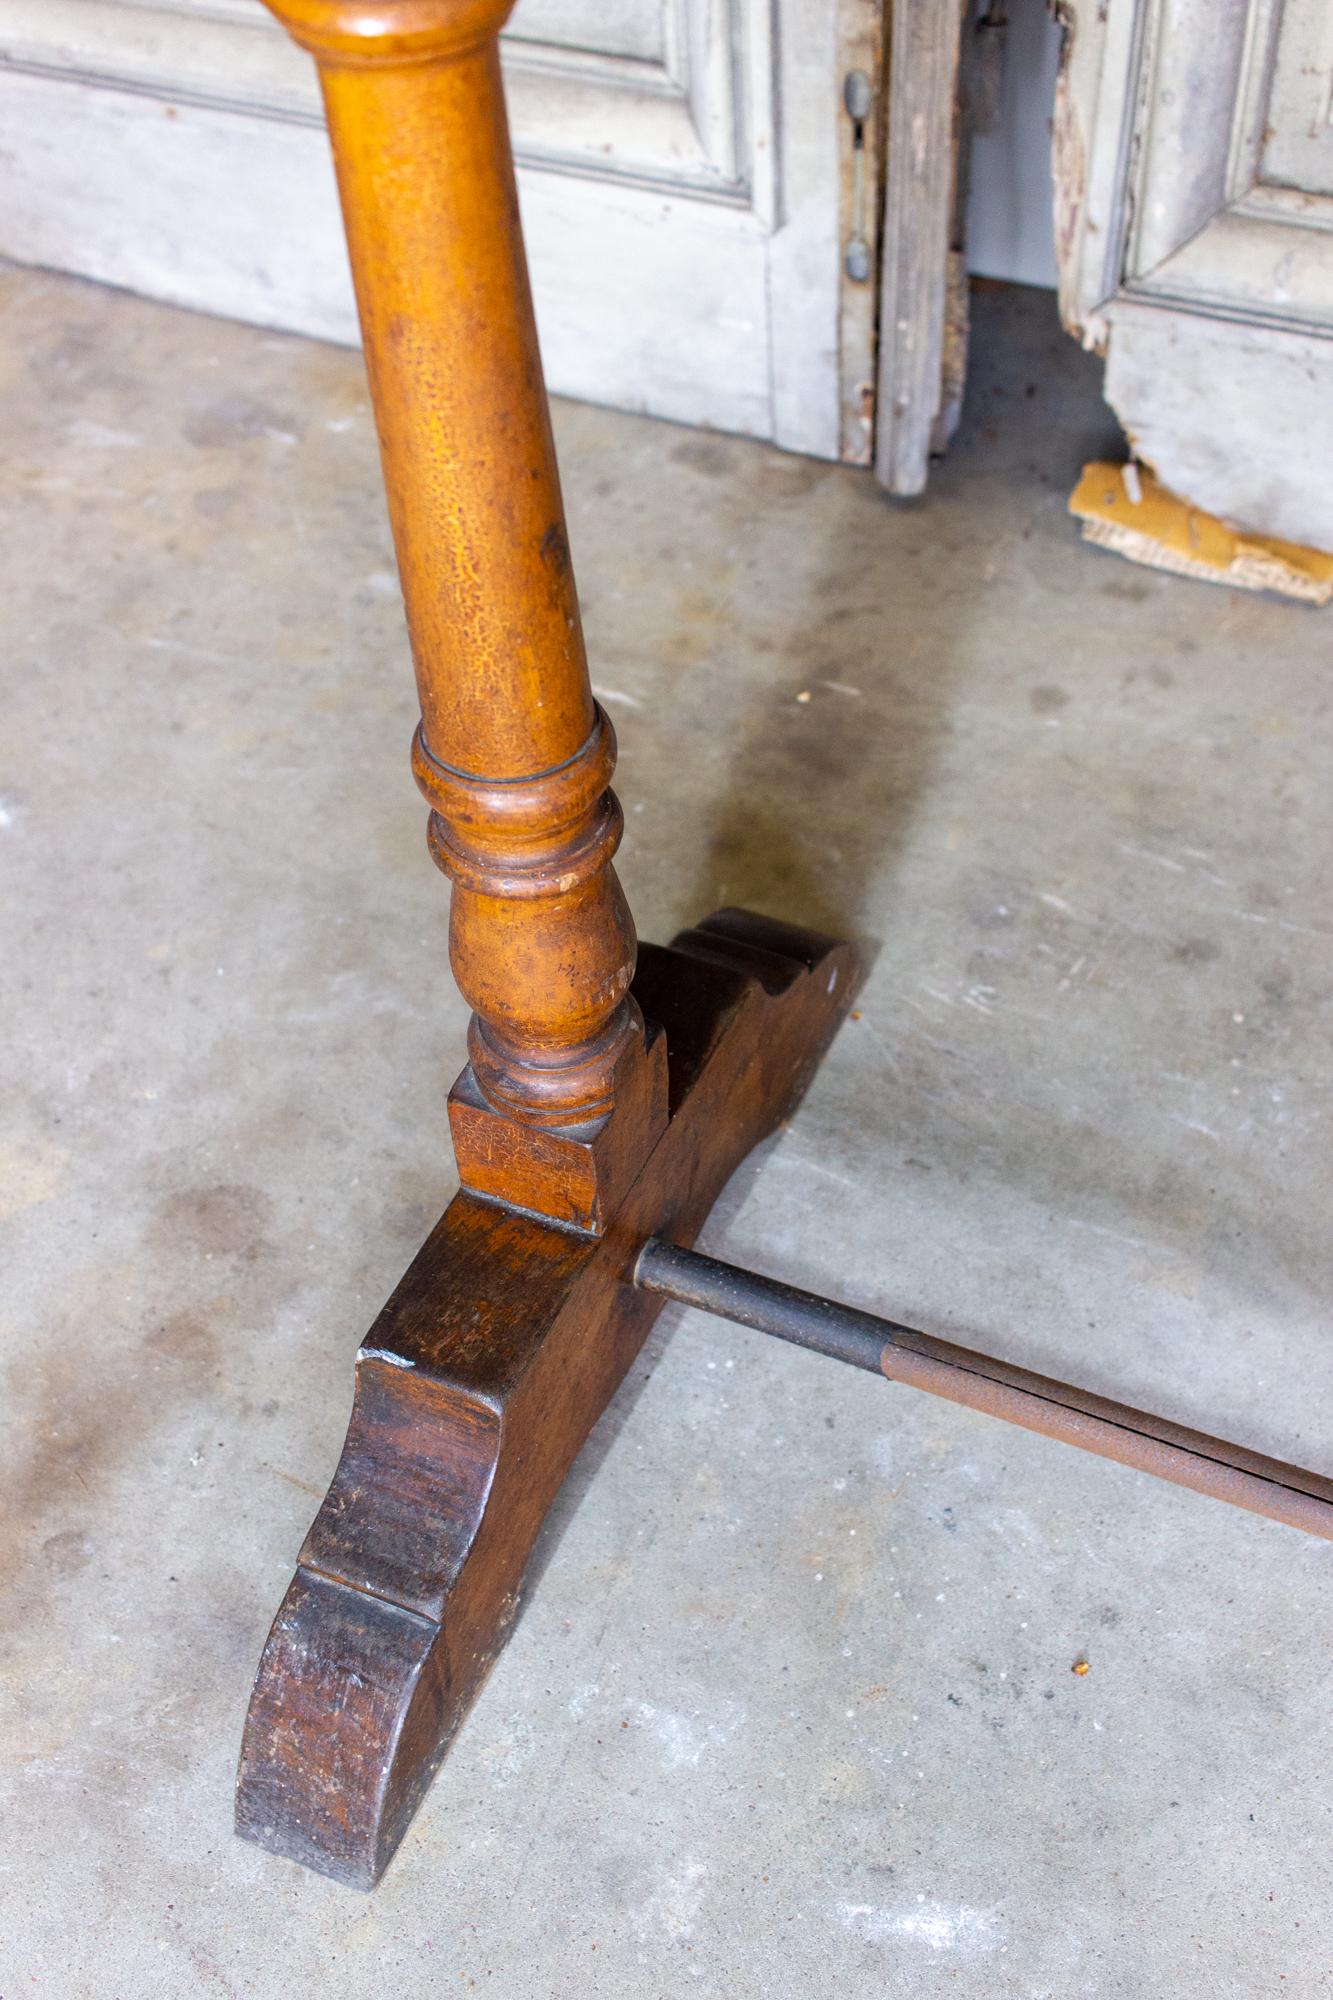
[[476, 1387], [608, 1093]]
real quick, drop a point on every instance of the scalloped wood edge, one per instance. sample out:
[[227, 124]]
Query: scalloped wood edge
[[475, 1389]]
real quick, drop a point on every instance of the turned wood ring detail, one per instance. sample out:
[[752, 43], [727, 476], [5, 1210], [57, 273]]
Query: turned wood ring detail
[[543, 835], [348, 33]]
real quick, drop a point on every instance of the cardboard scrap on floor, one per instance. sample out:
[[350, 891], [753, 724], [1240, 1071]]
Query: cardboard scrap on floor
[[1123, 507]]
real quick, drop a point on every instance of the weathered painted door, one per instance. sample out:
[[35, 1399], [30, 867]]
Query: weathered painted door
[[1194, 187], [686, 170]]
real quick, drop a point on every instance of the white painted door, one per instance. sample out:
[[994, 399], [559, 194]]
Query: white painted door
[[1194, 232], [685, 169]]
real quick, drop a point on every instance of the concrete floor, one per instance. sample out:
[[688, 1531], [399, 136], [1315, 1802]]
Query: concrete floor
[[790, 1711]]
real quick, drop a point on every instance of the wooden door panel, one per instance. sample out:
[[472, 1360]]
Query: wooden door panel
[[683, 168], [1195, 240], [637, 29], [1298, 145]]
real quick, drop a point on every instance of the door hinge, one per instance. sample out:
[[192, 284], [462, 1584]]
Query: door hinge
[[858, 98]]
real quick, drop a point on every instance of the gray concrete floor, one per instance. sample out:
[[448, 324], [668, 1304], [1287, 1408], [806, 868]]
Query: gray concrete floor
[[791, 1708]]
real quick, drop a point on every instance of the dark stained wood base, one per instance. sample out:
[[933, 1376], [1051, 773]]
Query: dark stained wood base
[[478, 1384]]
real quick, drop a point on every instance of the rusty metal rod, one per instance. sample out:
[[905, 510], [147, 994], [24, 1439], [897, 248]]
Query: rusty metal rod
[[1054, 1409]]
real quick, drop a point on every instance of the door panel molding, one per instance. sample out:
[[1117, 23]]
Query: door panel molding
[[1187, 258], [1186, 217], [686, 121], [681, 166], [1298, 142]]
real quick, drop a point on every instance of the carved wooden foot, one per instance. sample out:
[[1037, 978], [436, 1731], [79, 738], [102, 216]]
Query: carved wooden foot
[[476, 1388]]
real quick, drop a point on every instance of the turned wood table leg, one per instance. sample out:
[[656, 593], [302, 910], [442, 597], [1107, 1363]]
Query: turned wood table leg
[[603, 1102], [513, 755]]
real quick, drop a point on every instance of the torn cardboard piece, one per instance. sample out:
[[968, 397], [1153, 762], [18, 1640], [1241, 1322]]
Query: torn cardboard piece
[[1123, 507]]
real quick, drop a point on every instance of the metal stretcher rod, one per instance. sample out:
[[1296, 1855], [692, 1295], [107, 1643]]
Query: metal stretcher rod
[[1055, 1409]]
